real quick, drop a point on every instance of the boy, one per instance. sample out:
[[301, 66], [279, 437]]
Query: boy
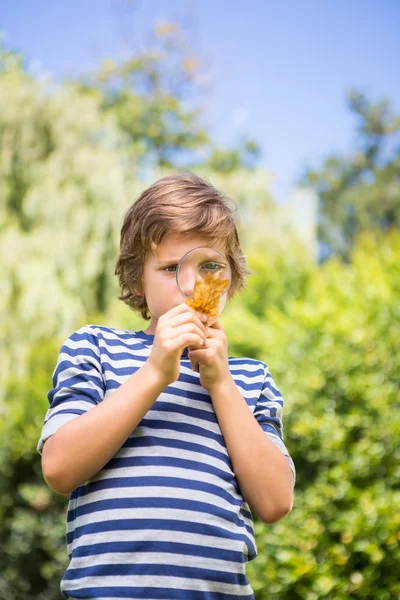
[[163, 463]]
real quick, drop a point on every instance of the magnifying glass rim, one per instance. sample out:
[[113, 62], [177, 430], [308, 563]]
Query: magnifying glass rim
[[199, 248]]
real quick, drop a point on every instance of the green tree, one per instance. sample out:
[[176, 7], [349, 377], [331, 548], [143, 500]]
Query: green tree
[[69, 164], [361, 191], [329, 333], [335, 354], [157, 96], [64, 175], [32, 517], [67, 168]]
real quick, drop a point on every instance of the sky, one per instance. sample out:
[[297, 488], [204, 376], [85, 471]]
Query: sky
[[279, 70]]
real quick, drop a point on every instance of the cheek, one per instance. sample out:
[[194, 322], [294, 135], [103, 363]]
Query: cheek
[[222, 303], [163, 295]]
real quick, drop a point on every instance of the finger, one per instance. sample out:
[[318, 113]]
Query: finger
[[215, 333], [193, 362], [181, 314], [195, 366], [198, 355], [177, 310], [192, 348], [185, 317], [181, 341], [184, 329], [199, 346], [210, 343]]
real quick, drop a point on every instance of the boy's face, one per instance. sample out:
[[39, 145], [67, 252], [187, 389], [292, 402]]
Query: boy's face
[[159, 276]]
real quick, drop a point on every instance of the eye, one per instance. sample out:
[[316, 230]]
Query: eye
[[170, 267], [212, 266]]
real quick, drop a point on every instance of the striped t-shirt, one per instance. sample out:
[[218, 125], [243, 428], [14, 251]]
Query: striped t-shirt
[[165, 518]]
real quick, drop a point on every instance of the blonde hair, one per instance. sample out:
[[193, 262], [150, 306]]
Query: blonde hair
[[183, 204]]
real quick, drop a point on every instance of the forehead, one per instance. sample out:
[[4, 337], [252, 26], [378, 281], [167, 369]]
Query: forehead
[[174, 246]]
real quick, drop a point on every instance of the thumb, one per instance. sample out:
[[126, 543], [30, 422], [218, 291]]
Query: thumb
[[195, 365]]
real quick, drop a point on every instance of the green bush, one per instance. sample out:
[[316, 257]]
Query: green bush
[[335, 353], [32, 518]]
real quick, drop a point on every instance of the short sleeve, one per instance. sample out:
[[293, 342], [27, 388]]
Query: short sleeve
[[269, 411], [78, 383]]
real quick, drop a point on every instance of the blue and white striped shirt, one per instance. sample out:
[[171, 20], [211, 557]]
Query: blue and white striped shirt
[[165, 518]]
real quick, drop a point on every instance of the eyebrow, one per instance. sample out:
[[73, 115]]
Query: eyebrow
[[171, 261], [175, 261]]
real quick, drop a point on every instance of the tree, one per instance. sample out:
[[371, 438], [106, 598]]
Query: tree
[[64, 176], [156, 96], [329, 333], [68, 166], [335, 354], [361, 191]]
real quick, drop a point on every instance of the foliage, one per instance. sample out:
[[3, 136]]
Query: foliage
[[360, 191], [333, 349], [32, 518], [64, 175], [330, 334], [148, 92], [66, 171], [154, 95], [335, 353]]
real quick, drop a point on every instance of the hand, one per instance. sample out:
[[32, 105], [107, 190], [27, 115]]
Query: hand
[[175, 330], [211, 360]]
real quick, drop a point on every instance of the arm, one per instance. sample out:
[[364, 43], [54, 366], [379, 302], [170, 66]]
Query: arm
[[262, 470], [81, 447]]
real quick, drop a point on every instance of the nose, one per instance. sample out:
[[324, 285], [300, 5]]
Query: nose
[[187, 281]]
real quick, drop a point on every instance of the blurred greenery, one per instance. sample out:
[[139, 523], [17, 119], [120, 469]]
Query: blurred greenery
[[335, 351], [153, 96], [72, 158]]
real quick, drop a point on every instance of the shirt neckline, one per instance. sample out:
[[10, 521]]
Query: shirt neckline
[[147, 337]]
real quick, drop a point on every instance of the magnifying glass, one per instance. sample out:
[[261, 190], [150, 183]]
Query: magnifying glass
[[203, 276]]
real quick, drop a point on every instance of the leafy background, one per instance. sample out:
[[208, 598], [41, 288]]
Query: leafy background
[[73, 157]]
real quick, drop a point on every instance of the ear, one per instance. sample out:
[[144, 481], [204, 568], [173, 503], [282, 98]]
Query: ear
[[137, 290]]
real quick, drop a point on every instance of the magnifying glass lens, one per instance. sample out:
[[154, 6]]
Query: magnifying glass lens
[[204, 276]]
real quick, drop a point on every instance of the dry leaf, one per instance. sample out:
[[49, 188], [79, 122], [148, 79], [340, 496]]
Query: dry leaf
[[207, 294]]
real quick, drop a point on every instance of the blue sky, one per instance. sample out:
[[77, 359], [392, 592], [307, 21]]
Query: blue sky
[[280, 69]]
